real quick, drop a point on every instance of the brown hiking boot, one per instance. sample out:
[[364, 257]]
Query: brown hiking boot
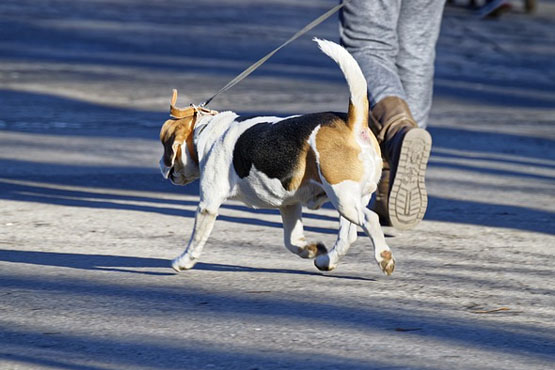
[[380, 205], [401, 198]]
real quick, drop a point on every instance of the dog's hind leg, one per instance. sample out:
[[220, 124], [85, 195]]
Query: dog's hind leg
[[346, 198], [382, 254], [347, 235], [204, 222], [293, 234]]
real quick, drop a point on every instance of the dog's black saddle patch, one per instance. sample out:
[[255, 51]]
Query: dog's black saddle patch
[[274, 148]]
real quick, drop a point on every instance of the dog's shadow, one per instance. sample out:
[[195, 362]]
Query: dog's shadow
[[137, 265], [232, 268]]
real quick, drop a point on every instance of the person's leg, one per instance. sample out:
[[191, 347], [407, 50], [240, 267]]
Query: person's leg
[[418, 31], [402, 198], [368, 30]]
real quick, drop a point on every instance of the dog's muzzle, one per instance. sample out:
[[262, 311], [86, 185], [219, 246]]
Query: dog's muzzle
[[164, 169]]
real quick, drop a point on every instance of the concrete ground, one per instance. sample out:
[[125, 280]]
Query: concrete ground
[[88, 226]]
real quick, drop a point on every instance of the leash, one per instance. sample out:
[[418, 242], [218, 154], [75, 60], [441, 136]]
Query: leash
[[257, 64]]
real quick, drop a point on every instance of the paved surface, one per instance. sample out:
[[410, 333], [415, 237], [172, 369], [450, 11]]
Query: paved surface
[[88, 226]]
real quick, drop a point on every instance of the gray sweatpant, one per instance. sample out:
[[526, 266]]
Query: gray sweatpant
[[394, 43]]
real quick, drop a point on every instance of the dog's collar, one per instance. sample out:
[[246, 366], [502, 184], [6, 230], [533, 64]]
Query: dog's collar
[[191, 111]]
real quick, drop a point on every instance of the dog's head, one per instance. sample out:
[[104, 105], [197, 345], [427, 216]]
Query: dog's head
[[179, 163]]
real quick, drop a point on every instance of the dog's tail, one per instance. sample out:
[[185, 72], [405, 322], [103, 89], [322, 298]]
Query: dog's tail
[[358, 105]]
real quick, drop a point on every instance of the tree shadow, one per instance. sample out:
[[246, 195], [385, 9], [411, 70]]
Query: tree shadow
[[80, 352], [492, 215], [502, 147], [501, 155], [458, 329]]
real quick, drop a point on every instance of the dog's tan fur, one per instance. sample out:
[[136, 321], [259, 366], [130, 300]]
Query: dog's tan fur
[[174, 133], [306, 169], [339, 153]]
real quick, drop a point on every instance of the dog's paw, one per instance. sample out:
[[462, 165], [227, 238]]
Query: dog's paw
[[386, 262], [183, 263], [313, 250], [323, 263]]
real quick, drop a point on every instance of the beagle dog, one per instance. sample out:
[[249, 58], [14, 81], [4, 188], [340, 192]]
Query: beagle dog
[[283, 163]]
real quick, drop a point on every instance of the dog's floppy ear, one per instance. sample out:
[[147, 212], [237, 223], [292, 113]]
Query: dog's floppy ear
[[172, 135]]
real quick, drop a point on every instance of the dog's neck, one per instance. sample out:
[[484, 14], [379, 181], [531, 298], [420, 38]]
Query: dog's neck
[[208, 129]]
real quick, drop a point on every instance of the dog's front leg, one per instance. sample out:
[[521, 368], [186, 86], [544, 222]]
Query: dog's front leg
[[293, 233], [347, 235], [204, 222]]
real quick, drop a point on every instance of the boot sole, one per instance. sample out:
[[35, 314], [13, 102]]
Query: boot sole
[[408, 199]]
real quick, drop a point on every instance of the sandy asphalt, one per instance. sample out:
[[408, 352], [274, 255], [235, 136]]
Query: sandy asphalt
[[88, 226]]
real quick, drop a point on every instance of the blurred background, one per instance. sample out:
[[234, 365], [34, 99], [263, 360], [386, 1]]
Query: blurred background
[[130, 53], [88, 225]]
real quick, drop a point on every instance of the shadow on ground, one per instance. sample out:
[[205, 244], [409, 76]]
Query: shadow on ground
[[137, 265], [59, 348]]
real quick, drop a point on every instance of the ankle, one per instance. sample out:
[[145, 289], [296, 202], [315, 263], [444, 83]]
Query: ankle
[[389, 116]]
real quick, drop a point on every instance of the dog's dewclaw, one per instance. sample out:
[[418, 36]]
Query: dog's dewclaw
[[388, 262]]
